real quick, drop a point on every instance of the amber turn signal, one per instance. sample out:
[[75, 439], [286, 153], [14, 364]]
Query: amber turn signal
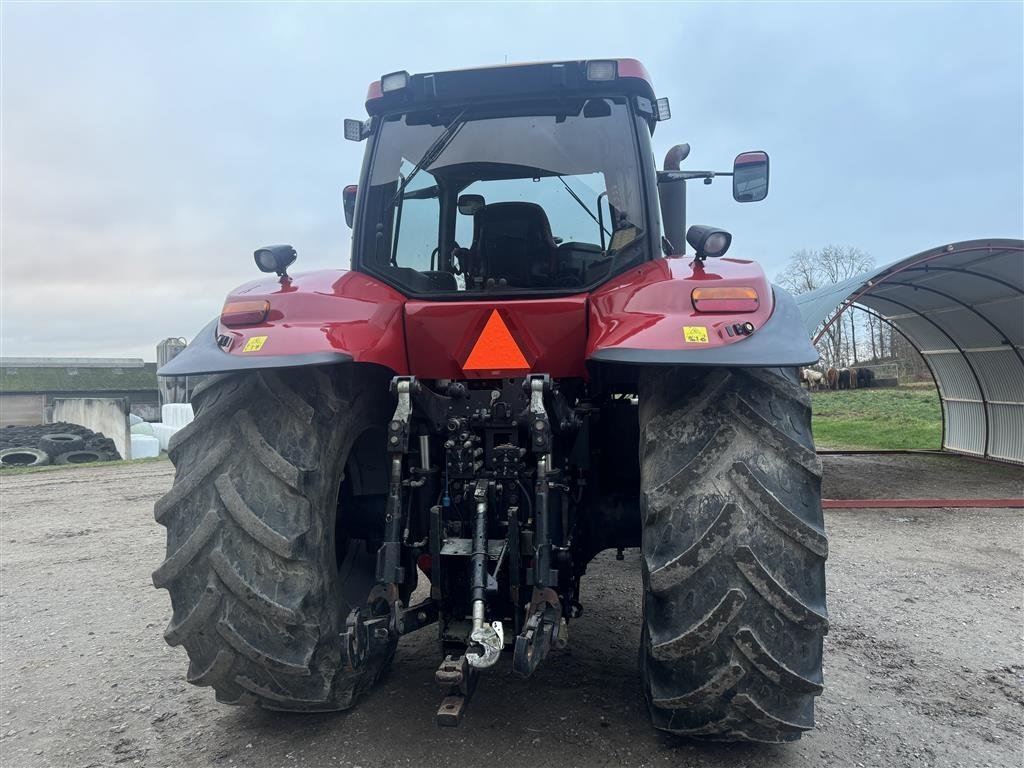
[[725, 299], [239, 313]]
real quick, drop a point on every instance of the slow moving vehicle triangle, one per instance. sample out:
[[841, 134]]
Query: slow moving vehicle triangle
[[495, 349]]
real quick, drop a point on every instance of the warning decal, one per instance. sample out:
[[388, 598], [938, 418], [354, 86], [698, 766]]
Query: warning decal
[[255, 344], [695, 334]]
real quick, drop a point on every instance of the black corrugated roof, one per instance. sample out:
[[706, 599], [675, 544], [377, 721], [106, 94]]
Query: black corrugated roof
[[15, 379]]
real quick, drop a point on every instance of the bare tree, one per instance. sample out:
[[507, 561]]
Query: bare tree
[[802, 273], [808, 270], [838, 263], [872, 327]]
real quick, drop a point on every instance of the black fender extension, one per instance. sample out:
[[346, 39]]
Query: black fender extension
[[204, 356], [781, 342]]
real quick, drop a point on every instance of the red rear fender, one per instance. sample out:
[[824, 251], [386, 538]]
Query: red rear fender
[[651, 307], [318, 312]]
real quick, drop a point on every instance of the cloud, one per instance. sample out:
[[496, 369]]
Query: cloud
[[147, 149]]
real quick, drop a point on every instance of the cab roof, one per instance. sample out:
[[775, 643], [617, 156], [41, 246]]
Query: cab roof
[[400, 90]]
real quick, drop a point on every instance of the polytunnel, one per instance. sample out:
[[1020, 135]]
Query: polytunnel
[[962, 307]]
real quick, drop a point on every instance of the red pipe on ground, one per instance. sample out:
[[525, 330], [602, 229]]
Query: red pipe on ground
[[922, 503]]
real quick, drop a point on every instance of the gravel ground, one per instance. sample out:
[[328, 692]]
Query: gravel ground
[[924, 662]]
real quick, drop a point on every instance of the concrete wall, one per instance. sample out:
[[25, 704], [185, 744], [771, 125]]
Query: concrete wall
[[28, 409], [22, 410], [108, 415]]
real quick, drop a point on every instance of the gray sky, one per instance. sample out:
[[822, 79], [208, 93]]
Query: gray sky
[[148, 149]]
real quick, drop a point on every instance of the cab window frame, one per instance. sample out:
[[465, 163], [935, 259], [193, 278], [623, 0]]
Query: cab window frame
[[365, 233]]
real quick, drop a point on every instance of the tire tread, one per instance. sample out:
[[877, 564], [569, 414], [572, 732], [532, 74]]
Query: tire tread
[[733, 554], [252, 606]]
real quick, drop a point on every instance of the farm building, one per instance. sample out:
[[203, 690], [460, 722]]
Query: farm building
[[29, 385], [961, 306]]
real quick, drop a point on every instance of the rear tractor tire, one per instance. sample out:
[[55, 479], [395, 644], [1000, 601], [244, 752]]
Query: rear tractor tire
[[734, 554], [259, 589]]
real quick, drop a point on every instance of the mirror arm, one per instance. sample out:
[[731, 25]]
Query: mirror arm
[[686, 175]]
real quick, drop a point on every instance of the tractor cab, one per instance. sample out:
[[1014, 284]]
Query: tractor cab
[[544, 186]]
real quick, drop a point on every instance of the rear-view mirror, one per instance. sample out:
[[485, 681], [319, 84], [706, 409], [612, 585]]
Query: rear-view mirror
[[348, 201], [750, 177], [470, 204], [597, 108]]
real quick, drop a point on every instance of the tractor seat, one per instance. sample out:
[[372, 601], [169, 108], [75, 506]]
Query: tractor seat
[[513, 242]]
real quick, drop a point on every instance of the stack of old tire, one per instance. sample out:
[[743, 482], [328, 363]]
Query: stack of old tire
[[59, 443]]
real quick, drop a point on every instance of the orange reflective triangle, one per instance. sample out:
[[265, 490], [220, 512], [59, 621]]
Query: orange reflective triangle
[[495, 349]]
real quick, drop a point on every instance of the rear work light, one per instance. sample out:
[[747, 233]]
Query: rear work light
[[725, 299], [664, 110], [602, 70], [356, 130], [239, 313], [395, 81]]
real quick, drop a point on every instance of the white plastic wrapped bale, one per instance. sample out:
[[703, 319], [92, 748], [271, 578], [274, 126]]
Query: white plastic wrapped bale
[[145, 446], [177, 415], [163, 433], [133, 419], [143, 428]]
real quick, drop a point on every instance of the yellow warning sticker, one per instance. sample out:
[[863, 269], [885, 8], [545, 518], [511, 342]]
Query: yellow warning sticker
[[255, 344], [695, 334]]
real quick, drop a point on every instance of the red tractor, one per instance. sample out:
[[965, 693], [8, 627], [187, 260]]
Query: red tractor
[[522, 368]]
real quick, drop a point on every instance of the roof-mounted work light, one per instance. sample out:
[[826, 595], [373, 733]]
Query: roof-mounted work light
[[356, 130], [602, 70], [395, 81], [664, 110]]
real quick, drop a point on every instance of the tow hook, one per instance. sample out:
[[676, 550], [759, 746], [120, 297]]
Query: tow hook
[[544, 628], [491, 639], [367, 635]]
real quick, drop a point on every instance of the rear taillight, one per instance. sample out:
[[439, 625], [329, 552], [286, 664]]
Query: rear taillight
[[725, 299], [238, 313]]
